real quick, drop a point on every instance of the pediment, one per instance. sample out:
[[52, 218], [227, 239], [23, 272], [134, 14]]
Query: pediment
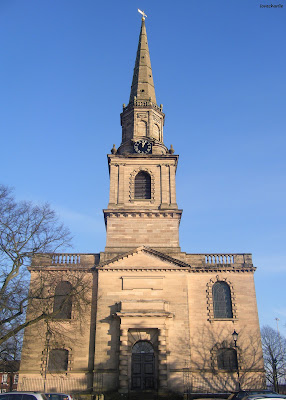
[[143, 258]]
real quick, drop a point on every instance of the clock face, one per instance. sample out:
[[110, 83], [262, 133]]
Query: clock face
[[143, 146]]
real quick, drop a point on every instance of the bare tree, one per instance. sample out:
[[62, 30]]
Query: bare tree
[[242, 364], [274, 354], [25, 229]]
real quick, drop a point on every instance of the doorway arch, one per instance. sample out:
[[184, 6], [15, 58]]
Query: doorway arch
[[143, 366]]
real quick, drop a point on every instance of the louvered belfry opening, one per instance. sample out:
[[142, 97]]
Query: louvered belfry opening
[[142, 186]]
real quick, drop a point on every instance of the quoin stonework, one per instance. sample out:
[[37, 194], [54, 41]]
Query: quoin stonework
[[152, 318]]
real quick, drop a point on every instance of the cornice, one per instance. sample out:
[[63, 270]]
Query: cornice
[[137, 314], [69, 268], [187, 269], [135, 156], [117, 212]]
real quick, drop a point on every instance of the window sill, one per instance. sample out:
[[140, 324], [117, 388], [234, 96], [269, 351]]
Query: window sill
[[223, 319], [62, 319], [227, 370], [144, 200]]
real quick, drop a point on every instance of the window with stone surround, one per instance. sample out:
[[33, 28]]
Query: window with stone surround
[[134, 183], [58, 360], [221, 299], [222, 307], [63, 300], [142, 188], [227, 359], [16, 379], [4, 378]]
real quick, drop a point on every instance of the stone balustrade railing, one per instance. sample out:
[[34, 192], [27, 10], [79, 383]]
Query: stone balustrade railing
[[90, 260], [143, 103], [219, 259], [65, 259], [226, 258]]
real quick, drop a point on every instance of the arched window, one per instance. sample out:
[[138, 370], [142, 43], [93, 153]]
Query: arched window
[[58, 360], [63, 300], [227, 359], [222, 300], [142, 186]]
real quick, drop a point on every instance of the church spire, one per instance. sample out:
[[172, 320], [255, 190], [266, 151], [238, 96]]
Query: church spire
[[142, 120], [142, 84]]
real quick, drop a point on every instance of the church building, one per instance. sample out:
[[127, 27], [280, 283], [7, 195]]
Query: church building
[[151, 316]]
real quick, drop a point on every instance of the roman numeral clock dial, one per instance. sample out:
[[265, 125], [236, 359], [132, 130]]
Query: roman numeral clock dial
[[143, 147]]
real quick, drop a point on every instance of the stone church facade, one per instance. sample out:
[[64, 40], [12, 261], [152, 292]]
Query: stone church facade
[[152, 317]]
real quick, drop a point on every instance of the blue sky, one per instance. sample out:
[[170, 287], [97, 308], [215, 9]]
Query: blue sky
[[219, 70]]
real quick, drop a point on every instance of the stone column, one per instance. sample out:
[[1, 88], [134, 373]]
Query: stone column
[[162, 360], [123, 361]]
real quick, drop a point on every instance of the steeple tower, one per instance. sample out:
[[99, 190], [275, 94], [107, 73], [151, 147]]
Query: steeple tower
[[142, 207], [142, 120], [142, 84]]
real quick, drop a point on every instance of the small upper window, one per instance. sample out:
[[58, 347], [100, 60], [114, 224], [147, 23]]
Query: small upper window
[[222, 300], [227, 359], [63, 301], [142, 186]]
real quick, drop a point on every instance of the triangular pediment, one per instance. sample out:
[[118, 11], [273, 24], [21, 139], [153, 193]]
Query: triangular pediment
[[145, 258]]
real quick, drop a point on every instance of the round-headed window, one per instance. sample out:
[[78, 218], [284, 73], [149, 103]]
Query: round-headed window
[[142, 185]]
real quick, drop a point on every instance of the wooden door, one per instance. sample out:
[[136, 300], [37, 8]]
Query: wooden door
[[143, 371]]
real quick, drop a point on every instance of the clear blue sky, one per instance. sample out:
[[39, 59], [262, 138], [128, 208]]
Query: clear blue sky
[[219, 69]]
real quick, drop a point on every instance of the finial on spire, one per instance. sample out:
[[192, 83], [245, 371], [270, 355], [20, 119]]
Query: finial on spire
[[143, 14]]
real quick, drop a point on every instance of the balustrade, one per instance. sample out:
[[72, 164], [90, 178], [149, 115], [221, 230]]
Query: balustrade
[[66, 259], [144, 103], [219, 258]]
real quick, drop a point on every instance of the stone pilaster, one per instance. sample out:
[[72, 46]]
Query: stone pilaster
[[113, 184], [123, 361], [162, 360], [173, 200], [121, 184], [165, 192]]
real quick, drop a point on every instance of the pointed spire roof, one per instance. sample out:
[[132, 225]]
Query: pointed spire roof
[[142, 83]]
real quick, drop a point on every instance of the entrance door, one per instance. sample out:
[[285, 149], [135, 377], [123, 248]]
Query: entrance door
[[143, 366]]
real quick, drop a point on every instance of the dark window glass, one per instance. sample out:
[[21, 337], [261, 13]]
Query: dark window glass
[[227, 359], [29, 397], [142, 186], [222, 300], [63, 301], [142, 347], [12, 396], [52, 396], [58, 360]]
